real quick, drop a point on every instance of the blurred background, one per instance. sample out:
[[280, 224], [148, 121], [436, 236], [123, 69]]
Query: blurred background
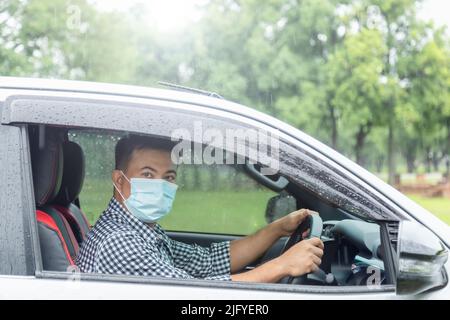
[[369, 78]]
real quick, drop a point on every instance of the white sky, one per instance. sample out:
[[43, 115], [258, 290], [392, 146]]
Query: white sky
[[168, 15], [436, 10], [173, 15]]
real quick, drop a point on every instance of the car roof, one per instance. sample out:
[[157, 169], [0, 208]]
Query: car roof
[[57, 85], [132, 91], [93, 87]]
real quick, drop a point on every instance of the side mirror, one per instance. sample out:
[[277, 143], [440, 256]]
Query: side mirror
[[279, 206], [421, 260]]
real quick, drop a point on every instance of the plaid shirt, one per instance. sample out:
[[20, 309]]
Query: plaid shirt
[[119, 243]]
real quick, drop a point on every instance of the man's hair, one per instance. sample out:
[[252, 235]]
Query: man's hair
[[128, 144]]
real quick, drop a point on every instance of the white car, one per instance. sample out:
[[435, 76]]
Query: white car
[[378, 243]]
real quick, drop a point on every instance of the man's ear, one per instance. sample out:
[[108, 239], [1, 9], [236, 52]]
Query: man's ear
[[117, 177]]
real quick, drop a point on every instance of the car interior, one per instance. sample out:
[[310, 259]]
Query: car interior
[[353, 254], [58, 173]]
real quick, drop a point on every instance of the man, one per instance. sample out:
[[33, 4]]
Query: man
[[127, 239]]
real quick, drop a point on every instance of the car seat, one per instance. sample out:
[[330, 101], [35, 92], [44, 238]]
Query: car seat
[[58, 243], [66, 200]]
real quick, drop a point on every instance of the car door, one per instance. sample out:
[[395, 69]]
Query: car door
[[161, 117]]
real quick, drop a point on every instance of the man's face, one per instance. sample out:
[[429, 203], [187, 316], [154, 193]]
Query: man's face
[[144, 163]]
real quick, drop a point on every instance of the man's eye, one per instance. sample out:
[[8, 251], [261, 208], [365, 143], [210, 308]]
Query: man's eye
[[147, 174], [170, 179]]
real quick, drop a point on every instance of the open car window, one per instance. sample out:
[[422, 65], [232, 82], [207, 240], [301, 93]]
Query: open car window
[[218, 199]]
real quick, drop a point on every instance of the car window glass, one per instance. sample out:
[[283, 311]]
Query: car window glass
[[218, 199], [97, 188]]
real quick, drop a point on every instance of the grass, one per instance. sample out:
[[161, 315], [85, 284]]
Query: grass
[[218, 212], [438, 206], [240, 212], [228, 212]]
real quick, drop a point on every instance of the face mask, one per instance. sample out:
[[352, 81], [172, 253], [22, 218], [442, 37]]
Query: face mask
[[150, 199]]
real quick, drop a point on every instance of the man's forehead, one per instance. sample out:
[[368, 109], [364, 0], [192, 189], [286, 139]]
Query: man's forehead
[[152, 158]]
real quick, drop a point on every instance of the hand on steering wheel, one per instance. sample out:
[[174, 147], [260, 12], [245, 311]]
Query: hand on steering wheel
[[310, 228]]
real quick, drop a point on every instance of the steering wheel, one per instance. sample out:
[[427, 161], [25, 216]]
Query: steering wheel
[[315, 224]]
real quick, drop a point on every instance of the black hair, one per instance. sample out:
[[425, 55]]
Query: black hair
[[128, 144]]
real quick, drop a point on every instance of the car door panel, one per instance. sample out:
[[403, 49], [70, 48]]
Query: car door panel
[[71, 288], [202, 239], [205, 240]]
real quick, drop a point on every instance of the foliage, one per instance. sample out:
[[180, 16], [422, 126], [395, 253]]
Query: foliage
[[365, 76]]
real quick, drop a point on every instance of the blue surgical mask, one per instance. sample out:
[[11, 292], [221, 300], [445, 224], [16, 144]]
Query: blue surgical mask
[[150, 199]]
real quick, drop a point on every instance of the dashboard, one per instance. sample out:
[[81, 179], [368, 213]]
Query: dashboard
[[352, 255]]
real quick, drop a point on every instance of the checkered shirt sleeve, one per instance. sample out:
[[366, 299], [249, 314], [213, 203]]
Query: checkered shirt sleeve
[[202, 262], [128, 254]]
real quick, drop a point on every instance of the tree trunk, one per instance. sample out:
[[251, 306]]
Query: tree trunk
[[237, 182], [411, 164], [214, 177], [436, 161], [410, 157], [391, 103], [380, 163], [196, 179], [360, 137], [428, 159], [334, 129], [360, 140], [448, 136], [391, 156], [447, 159]]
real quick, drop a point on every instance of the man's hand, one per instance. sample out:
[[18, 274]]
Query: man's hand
[[302, 258], [287, 224], [246, 250]]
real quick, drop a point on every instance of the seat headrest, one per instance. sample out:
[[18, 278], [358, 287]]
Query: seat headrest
[[73, 174], [47, 165]]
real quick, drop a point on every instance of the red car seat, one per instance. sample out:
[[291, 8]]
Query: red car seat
[[58, 244], [66, 200]]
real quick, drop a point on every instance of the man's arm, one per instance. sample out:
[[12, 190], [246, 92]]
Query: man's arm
[[129, 254], [202, 262], [270, 272], [302, 258], [246, 250]]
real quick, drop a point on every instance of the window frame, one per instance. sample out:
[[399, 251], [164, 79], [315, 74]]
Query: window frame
[[18, 251], [40, 273]]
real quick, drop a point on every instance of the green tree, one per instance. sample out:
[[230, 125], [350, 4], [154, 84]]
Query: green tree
[[356, 78], [424, 114]]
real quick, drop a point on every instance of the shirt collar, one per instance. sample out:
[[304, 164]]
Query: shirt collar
[[116, 208]]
